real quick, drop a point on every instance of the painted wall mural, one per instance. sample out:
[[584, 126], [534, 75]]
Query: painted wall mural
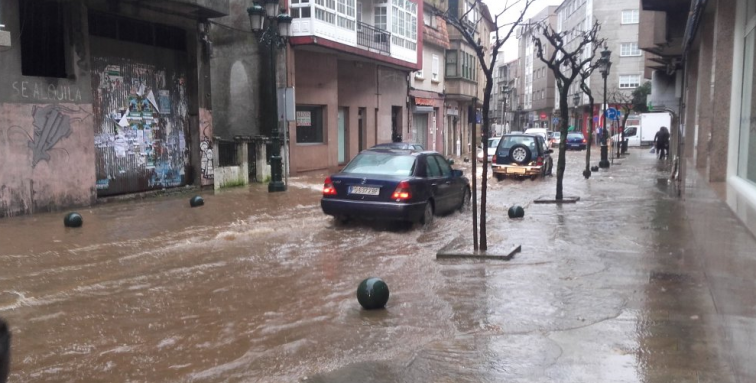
[[140, 126], [45, 160]]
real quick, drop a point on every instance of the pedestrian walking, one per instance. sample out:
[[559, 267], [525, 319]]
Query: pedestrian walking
[[661, 141]]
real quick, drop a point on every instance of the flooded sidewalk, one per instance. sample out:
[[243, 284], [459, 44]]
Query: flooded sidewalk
[[259, 287]]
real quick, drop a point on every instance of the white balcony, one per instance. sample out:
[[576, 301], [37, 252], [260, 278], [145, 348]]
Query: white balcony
[[360, 23]]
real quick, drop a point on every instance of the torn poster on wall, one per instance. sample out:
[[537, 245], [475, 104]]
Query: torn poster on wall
[[140, 139]]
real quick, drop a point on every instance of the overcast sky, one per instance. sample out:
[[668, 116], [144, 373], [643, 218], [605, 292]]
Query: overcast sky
[[496, 6]]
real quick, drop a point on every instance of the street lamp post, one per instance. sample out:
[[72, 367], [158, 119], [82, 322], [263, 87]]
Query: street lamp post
[[273, 34], [575, 103], [604, 67]]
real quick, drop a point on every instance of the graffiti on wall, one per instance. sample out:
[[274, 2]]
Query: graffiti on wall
[[42, 163], [140, 114], [206, 146], [51, 123]]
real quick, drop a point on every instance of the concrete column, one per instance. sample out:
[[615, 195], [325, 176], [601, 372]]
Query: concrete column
[[691, 95], [724, 30], [262, 169], [704, 102]]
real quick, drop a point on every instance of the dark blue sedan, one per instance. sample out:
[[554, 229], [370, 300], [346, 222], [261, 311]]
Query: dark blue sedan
[[576, 141], [395, 185]]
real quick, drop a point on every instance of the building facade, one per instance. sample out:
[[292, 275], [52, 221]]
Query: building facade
[[427, 85], [505, 97], [350, 63], [538, 84], [102, 98], [619, 21], [465, 81]]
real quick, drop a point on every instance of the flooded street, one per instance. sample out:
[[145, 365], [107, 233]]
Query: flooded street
[[259, 287]]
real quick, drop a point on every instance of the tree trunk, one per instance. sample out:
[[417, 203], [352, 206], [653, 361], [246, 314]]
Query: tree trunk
[[590, 135], [484, 178], [564, 127]]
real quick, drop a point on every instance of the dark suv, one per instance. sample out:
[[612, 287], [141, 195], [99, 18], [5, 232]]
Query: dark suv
[[522, 155]]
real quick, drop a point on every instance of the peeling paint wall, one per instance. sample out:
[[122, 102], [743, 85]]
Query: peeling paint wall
[[207, 169], [46, 157]]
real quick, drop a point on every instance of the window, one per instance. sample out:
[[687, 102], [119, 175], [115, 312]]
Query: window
[[43, 46], [309, 124], [451, 63], [629, 81], [432, 169], [338, 12], [429, 19], [380, 18], [300, 9], [747, 143], [419, 74], [630, 16], [629, 49], [404, 24], [435, 68], [446, 170], [136, 31]]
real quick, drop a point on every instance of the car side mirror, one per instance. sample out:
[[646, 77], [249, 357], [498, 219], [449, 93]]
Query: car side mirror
[[457, 173], [450, 161]]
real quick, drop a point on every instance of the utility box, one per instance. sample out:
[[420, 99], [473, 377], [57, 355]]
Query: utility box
[[5, 39]]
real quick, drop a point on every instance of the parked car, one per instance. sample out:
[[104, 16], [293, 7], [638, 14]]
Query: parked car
[[539, 131], [554, 138], [522, 155], [576, 141], [490, 150], [396, 185], [399, 145]]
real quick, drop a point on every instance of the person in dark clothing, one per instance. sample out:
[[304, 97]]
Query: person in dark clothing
[[661, 141]]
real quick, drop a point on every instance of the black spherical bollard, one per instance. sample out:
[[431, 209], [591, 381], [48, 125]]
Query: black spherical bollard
[[5, 339], [516, 211], [373, 293], [594, 168], [196, 201], [587, 174], [73, 220]]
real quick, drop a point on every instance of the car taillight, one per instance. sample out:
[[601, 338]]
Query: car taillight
[[493, 159], [328, 188], [539, 161], [402, 192], [584, 140]]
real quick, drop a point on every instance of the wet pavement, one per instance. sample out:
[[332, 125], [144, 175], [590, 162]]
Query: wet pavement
[[258, 287]]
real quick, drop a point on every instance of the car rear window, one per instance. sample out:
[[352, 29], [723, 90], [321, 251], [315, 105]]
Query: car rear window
[[381, 163], [508, 142], [575, 135]]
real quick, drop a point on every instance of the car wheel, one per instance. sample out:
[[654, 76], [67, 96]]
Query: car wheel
[[551, 168], [499, 176], [520, 154], [466, 201], [427, 217], [341, 220]]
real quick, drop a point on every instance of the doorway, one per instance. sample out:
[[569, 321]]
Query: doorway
[[361, 134], [420, 128]]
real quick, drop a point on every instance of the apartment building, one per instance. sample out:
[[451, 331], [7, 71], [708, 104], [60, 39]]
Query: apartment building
[[538, 83], [619, 21], [427, 84], [465, 81]]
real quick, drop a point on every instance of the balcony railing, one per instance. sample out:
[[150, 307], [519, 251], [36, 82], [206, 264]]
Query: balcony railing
[[373, 38]]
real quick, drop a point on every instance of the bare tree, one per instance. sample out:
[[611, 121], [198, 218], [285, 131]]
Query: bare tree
[[500, 35], [571, 52]]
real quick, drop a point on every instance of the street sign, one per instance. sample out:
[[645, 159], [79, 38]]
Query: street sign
[[611, 114], [555, 120]]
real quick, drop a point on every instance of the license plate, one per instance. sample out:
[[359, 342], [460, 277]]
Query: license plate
[[516, 170], [365, 190]]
